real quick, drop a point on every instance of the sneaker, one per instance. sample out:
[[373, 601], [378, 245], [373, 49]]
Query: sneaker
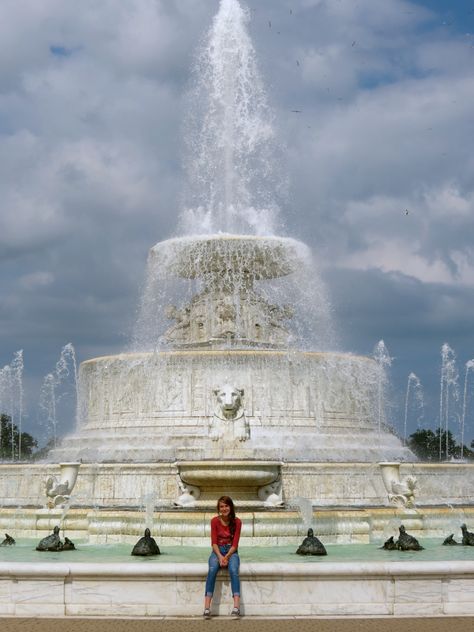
[[207, 613], [235, 614]]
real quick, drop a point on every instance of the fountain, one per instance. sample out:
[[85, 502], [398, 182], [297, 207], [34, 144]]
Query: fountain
[[232, 385]]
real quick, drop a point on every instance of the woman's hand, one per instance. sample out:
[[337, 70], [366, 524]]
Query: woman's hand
[[223, 561]]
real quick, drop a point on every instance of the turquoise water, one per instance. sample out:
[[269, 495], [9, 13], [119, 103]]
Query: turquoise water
[[24, 551]]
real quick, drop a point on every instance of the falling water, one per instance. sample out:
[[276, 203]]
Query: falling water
[[469, 366], [228, 257], [55, 389], [449, 394], [384, 361], [305, 509], [232, 173], [11, 399], [147, 504], [414, 389]]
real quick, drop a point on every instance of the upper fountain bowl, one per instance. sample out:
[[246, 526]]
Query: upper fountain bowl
[[199, 256]]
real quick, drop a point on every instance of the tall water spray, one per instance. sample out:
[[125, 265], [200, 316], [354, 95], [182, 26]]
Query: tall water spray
[[11, 400], [233, 178], [449, 395], [468, 368], [56, 387], [384, 361], [228, 281], [413, 396]]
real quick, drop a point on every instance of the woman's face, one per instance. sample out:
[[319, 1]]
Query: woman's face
[[224, 509]]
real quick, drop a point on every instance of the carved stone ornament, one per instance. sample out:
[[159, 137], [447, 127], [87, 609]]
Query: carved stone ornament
[[58, 490], [189, 494], [229, 418], [400, 492]]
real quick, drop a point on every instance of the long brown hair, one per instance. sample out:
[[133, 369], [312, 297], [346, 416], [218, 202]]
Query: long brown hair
[[227, 500]]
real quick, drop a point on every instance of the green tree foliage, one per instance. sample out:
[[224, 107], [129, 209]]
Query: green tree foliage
[[426, 445], [10, 441]]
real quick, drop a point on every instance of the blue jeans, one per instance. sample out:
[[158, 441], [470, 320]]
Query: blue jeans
[[234, 563]]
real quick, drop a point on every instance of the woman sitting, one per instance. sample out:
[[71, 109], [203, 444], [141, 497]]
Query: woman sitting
[[225, 534]]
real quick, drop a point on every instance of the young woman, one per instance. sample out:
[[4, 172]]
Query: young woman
[[225, 534]]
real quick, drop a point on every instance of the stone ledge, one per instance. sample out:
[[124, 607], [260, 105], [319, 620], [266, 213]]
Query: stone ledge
[[322, 589]]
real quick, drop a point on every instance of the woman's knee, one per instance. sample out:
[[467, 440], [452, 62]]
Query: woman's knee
[[213, 561]]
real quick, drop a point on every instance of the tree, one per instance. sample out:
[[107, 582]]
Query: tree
[[43, 452], [426, 445], [10, 440]]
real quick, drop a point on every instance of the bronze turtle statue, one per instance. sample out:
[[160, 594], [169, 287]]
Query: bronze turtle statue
[[390, 544], [8, 541], [311, 545], [51, 542], [146, 545], [68, 545], [407, 542], [467, 536]]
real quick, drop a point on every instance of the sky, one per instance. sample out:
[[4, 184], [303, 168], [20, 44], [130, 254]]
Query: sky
[[373, 106]]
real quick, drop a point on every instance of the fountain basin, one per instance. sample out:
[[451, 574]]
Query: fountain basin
[[238, 479], [299, 406], [256, 257], [390, 589]]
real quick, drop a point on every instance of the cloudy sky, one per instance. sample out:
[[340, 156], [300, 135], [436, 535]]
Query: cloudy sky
[[373, 102]]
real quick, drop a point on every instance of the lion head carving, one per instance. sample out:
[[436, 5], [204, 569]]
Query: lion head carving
[[229, 402]]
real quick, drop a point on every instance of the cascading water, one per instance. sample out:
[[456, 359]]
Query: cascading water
[[230, 307], [384, 361], [236, 287]]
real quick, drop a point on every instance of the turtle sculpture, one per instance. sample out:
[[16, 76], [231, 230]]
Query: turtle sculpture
[[68, 545], [467, 536], [51, 542], [390, 544], [450, 541], [146, 545], [407, 542], [311, 545], [8, 541]]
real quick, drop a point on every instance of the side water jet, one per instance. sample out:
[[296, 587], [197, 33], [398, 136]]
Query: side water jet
[[55, 389], [413, 396], [11, 404], [469, 366], [449, 396]]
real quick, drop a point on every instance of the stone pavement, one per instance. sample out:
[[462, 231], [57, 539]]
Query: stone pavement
[[248, 624]]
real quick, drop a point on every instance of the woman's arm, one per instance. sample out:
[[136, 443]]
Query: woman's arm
[[236, 538], [229, 553], [222, 558]]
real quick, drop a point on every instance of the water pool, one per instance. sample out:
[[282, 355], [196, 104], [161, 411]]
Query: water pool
[[24, 551]]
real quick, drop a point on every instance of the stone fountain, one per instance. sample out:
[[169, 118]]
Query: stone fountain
[[232, 386]]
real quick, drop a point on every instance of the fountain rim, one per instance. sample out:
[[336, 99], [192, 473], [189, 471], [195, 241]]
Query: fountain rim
[[226, 353], [290, 569]]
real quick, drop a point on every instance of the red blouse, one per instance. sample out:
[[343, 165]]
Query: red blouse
[[220, 534]]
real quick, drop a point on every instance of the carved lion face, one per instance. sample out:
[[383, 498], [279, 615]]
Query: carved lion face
[[229, 398]]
